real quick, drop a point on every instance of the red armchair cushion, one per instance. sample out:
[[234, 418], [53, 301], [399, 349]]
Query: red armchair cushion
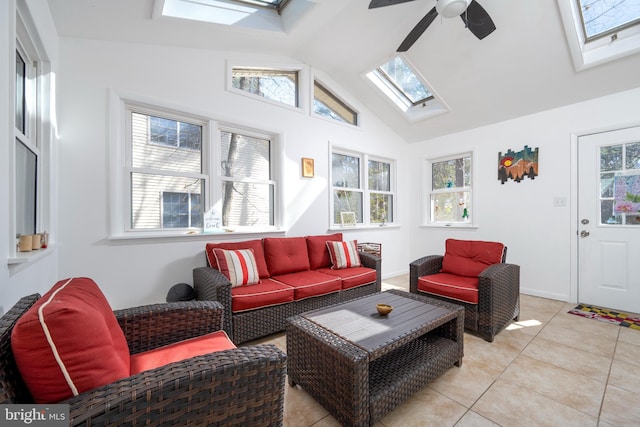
[[205, 344], [344, 254], [318, 252], [238, 265], [470, 257], [258, 253], [286, 254], [461, 288], [69, 342], [264, 294]]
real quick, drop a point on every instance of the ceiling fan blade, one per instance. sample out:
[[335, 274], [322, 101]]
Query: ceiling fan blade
[[382, 3], [477, 20], [418, 30]]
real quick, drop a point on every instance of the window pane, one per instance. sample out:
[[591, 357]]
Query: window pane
[[450, 207], [347, 201], [381, 208], [26, 167], [611, 158], [247, 204], [403, 78], [601, 17], [147, 200], [281, 86], [379, 176], [454, 173], [181, 210], [245, 156], [327, 104], [345, 171], [21, 84], [155, 144]]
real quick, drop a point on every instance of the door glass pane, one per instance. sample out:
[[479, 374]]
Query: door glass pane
[[611, 158], [620, 184]]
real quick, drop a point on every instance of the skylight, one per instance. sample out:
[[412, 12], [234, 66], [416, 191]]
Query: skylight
[[399, 81], [274, 4], [603, 17], [599, 31]]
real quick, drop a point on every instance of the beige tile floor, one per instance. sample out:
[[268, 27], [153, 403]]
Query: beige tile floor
[[550, 368]]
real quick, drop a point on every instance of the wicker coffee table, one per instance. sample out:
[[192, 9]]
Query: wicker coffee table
[[360, 365]]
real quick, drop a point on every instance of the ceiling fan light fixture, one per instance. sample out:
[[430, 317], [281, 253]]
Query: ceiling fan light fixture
[[451, 8]]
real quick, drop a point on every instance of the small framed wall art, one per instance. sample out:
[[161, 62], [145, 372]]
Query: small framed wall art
[[348, 219], [307, 167]]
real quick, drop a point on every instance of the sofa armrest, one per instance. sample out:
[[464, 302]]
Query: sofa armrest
[[499, 293], [151, 326], [211, 285], [430, 264], [242, 386], [375, 262]]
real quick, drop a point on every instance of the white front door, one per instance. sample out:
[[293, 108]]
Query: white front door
[[609, 219]]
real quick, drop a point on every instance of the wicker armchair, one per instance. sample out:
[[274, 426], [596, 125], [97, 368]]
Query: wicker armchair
[[238, 387], [498, 294]]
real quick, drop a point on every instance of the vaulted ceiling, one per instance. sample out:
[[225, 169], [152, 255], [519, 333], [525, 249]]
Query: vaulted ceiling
[[523, 67]]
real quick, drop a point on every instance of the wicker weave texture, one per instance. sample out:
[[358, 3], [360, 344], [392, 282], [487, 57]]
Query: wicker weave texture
[[238, 387], [358, 387]]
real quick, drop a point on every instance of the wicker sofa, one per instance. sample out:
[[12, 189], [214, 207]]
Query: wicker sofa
[[238, 386], [296, 275]]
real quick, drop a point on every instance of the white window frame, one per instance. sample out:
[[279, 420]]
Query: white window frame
[[427, 186], [339, 99], [120, 166], [363, 188], [606, 49], [37, 136]]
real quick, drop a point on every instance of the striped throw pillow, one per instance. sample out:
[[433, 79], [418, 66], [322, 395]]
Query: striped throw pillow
[[343, 254], [238, 265]]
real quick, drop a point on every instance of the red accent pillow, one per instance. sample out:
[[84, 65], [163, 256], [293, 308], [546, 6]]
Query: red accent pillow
[[344, 254], [470, 257], [286, 254], [69, 342], [238, 265], [318, 253], [258, 253]]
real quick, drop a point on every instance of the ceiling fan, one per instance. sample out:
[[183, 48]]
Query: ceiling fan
[[475, 18]]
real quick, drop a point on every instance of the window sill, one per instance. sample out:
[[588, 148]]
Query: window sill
[[451, 225], [198, 235], [364, 227], [31, 257]]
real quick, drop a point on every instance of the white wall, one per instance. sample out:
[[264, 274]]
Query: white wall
[[540, 237], [139, 272], [18, 281]]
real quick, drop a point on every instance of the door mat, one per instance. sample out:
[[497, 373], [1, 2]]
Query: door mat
[[605, 315]]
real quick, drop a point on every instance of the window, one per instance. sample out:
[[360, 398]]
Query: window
[[620, 184], [326, 104], [600, 31], [364, 185], [401, 84], [449, 190], [184, 173], [278, 5], [276, 85]]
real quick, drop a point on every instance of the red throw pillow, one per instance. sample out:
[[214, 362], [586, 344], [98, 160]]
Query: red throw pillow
[[470, 257], [318, 252], [344, 254], [238, 265], [69, 342], [286, 255]]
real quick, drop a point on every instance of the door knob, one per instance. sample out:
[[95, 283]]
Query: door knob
[[584, 233]]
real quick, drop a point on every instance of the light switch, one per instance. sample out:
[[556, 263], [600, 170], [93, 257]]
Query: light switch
[[559, 202]]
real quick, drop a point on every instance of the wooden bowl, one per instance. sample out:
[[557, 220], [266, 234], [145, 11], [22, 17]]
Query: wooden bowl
[[384, 309]]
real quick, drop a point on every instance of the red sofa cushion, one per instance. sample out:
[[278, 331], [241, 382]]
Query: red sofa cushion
[[198, 346], [238, 265], [69, 342], [352, 277], [310, 283], [286, 254], [266, 293], [258, 253], [470, 257], [461, 288], [343, 254], [318, 252]]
